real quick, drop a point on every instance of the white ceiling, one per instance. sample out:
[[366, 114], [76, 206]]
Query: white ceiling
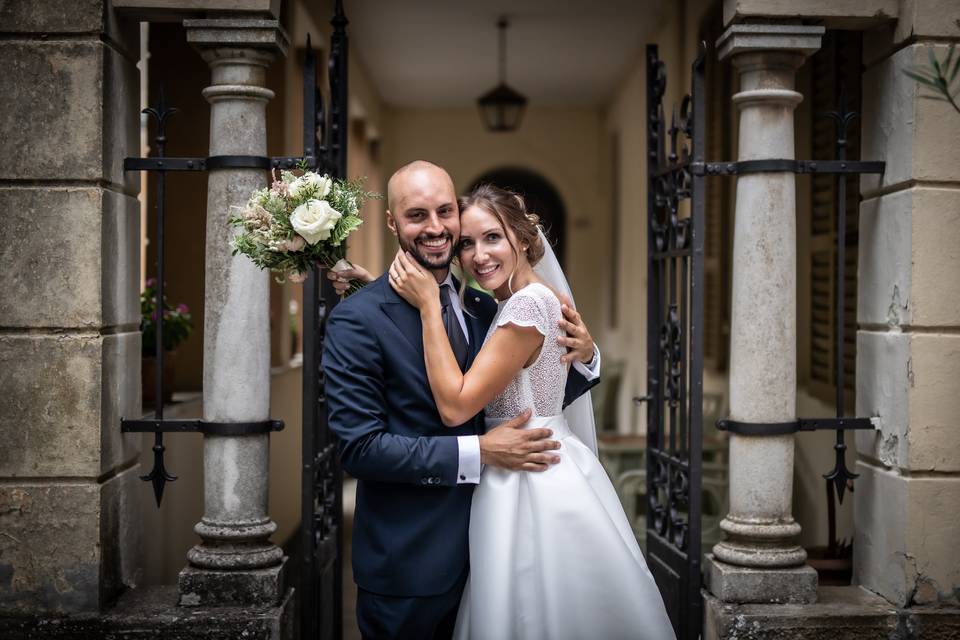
[[443, 53]]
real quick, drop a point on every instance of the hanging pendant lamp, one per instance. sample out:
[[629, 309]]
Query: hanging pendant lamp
[[502, 107]]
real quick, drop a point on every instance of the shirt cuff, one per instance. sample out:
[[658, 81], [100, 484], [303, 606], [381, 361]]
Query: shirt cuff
[[591, 370], [468, 469]]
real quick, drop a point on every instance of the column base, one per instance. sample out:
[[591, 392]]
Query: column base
[[760, 554], [729, 583], [248, 587]]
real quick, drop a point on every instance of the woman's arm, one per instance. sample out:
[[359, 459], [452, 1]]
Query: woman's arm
[[461, 396]]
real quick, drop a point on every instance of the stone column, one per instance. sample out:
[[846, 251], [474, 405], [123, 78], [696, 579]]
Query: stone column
[[760, 561], [235, 563]]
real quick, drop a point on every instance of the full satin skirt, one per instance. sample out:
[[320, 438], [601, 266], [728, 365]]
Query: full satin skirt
[[553, 556]]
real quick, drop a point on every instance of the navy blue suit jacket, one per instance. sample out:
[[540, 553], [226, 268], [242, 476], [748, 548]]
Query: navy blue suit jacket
[[411, 519]]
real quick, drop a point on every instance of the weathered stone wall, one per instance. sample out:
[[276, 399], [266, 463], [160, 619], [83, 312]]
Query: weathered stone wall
[[908, 350], [69, 340]]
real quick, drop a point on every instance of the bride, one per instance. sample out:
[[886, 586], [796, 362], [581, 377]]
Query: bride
[[552, 554]]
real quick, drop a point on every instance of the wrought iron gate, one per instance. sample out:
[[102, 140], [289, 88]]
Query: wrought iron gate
[[321, 526], [675, 345]]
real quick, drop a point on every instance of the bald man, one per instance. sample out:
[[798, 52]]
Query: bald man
[[415, 475]]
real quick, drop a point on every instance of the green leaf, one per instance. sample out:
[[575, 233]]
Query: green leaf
[[921, 78], [946, 63], [933, 59]]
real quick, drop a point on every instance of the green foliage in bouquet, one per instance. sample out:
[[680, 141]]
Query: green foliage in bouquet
[[177, 321], [299, 221]]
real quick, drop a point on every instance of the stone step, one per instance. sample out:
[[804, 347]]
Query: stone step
[[840, 613], [152, 613]]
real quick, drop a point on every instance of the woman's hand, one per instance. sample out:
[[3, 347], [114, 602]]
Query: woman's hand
[[413, 283], [341, 279]]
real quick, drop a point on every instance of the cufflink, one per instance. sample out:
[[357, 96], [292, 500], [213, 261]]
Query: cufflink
[[463, 477]]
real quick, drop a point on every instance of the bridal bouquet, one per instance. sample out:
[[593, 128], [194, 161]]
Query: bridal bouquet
[[298, 221]]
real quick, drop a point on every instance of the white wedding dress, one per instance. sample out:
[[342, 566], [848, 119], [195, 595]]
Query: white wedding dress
[[552, 554]]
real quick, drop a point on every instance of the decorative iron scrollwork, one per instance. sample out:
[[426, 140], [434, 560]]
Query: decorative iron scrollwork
[[675, 342]]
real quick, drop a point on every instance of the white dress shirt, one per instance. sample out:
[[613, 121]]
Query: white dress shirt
[[468, 469]]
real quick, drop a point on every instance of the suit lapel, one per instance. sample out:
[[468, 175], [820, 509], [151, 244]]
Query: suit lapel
[[405, 317], [476, 324]]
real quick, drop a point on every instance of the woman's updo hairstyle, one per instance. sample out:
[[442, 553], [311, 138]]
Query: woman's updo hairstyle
[[510, 209]]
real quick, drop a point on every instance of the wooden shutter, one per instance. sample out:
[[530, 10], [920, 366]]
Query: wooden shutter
[[717, 201], [837, 65]]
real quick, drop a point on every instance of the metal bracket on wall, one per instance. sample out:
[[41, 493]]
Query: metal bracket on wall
[[785, 428], [218, 162], [781, 165], [200, 426]]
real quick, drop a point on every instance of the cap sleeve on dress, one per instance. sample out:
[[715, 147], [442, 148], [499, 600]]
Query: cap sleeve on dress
[[524, 310]]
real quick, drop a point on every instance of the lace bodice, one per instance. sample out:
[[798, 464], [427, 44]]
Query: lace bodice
[[541, 385]]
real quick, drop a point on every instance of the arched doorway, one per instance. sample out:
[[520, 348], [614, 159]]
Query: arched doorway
[[542, 199]]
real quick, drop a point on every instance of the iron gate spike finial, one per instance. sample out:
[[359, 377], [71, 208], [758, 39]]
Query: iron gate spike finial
[[158, 476], [339, 17], [840, 475]]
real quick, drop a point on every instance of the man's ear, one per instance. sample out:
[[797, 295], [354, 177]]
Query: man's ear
[[391, 223]]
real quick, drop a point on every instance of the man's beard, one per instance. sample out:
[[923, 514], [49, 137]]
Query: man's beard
[[428, 262]]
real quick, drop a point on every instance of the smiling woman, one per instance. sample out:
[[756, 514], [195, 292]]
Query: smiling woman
[[541, 199]]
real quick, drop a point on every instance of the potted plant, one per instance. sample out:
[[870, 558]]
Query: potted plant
[[177, 327]]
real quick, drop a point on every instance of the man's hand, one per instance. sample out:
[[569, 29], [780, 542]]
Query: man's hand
[[578, 341], [341, 279], [511, 447]]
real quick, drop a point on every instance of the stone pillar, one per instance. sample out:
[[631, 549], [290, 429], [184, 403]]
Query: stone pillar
[[760, 560], [69, 319], [235, 563], [908, 310]]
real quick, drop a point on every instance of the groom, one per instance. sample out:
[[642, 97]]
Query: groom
[[416, 476]]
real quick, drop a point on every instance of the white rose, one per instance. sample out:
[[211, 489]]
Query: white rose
[[309, 180], [314, 220]]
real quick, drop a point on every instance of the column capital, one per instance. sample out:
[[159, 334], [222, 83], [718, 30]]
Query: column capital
[[784, 38], [215, 34]]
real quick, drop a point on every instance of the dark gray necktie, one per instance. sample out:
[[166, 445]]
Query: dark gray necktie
[[454, 331]]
